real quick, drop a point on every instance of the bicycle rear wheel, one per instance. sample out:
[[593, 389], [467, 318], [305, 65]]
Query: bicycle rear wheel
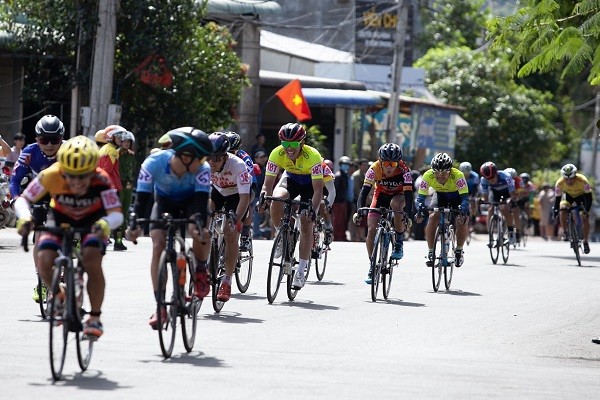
[[387, 268], [495, 239], [166, 301], [85, 344], [243, 268], [438, 259], [291, 248], [320, 254], [59, 325], [217, 270], [574, 235], [275, 272], [43, 295], [505, 234], [191, 304], [376, 262], [449, 267]]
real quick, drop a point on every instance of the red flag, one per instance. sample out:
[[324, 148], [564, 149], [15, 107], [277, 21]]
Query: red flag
[[292, 98]]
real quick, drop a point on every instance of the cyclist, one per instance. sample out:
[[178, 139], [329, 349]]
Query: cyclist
[[393, 189], [178, 181], [109, 161], [576, 189], [450, 190], [235, 142], [83, 196], [529, 192], [496, 185], [304, 178], [231, 183], [34, 158], [472, 179]]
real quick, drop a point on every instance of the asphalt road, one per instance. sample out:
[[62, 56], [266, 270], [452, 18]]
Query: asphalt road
[[520, 330]]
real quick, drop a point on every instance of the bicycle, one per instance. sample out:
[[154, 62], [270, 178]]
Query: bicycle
[[320, 248], [575, 238], [66, 311], [444, 248], [288, 236], [177, 264], [216, 259], [524, 227], [499, 236]]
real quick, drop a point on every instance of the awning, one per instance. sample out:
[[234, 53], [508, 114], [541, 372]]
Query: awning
[[241, 7], [280, 79], [337, 97]]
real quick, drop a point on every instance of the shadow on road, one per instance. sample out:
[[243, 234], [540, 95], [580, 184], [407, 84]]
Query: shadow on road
[[325, 283], [196, 358], [309, 305], [89, 380], [248, 296], [458, 293], [232, 318], [399, 302]]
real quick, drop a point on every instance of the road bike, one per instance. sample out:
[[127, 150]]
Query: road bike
[[575, 236], [67, 300], [285, 264], [320, 248], [524, 228], [444, 248], [499, 236], [175, 299]]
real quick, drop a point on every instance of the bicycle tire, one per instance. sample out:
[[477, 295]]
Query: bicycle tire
[[506, 239], [85, 345], [243, 268], [376, 263], [387, 268], [291, 248], [166, 299], [495, 238], [574, 235], [321, 255], [59, 326], [217, 257], [438, 258], [44, 303], [275, 272], [191, 304], [449, 266]]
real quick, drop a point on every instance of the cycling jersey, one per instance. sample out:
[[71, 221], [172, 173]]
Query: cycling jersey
[[78, 210], [156, 176], [504, 183], [399, 181], [473, 183], [305, 168], [328, 174], [109, 161], [456, 183], [32, 160], [233, 178], [578, 187]]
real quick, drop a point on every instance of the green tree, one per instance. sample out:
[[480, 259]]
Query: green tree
[[509, 124], [551, 35]]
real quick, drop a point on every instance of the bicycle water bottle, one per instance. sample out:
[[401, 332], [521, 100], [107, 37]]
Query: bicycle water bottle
[[181, 264]]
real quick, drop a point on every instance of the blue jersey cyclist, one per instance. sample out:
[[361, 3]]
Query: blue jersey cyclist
[[495, 186], [179, 181], [473, 183]]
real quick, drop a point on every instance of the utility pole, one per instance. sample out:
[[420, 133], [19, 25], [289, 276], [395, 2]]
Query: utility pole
[[596, 133], [102, 65], [398, 61]]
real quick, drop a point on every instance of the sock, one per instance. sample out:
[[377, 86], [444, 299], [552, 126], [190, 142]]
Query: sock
[[227, 279], [399, 237], [302, 266], [458, 248]]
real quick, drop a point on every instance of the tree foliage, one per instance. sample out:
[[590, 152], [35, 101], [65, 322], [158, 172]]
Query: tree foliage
[[551, 35], [510, 124]]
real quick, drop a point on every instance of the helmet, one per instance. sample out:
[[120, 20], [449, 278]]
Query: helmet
[[190, 140], [100, 137], [568, 171], [220, 142], [344, 160], [525, 176], [512, 172], [113, 131], [465, 167], [128, 136], [291, 132], [390, 152], [488, 170], [235, 141], [78, 156], [49, 125], [441, 162]]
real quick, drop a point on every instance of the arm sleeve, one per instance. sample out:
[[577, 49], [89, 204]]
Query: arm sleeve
[[587, 201], [362, 196], [142, 200], [409, 200], [200, 205]]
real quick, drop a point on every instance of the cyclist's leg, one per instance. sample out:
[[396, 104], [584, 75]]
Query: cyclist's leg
[[563, 215], [48, 246], [92, 251], [397, 204], [432, 222]]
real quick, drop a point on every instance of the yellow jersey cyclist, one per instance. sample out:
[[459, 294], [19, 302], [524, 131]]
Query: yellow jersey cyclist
[[392, 180], [82, 195], [450, 190], [576, 189], [231, 182], [304, 178], [178, 181]]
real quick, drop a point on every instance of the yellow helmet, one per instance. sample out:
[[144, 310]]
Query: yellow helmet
[[78, 156]]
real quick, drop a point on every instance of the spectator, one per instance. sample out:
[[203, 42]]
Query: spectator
[[4, 148], [546, 198], [128, 174], [358, 233], [15, 151], [260, 159], [259, 146], [344, 194]]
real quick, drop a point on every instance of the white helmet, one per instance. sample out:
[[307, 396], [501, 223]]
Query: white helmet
[[465, 167], [512, 172], [568, 171]]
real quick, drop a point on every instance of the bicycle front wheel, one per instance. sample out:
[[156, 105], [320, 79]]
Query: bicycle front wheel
[[166, 305], [290, 248], [43, 295], [243, 268], [85, 345], [574, 235], [217, 268], [378, 245], [320, 254], [275, 272], [505, 235], [439, 257], [59, 325], [191, 304], [495, 239], [449, 267], [387, 267]]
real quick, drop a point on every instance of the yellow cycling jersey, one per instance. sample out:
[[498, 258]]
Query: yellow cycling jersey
[[308, 163], [578, 187], [456, 183]]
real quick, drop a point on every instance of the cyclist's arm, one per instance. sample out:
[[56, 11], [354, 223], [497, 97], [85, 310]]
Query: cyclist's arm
[[587, 201], [362, 195], [22, 208], [19, 171], [408, 201], [317, 185], [5, 147]]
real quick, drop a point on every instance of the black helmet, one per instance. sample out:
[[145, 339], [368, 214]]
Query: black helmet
[[220, 143], [441, 162], [49, 125], [235, 141], [291, 132], [488, 170], [390, 152], [191, 140]]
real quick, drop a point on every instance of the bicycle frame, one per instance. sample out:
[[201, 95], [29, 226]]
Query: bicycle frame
[[498, 233], [575, 239], [445, 238], [217, 252]]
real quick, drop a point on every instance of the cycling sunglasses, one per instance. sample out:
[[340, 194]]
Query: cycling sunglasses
[[50, 139], [393, 164], [293, 145], [441, 171]]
